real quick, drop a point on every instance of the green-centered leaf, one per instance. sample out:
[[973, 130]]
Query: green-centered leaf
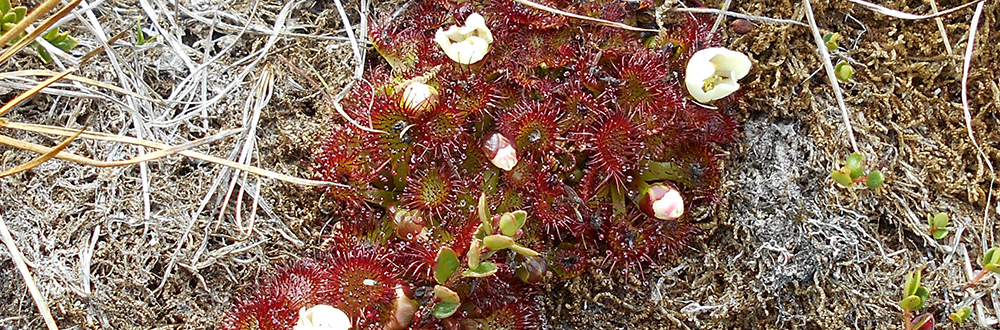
[[446, 294], [875, 179], [855, 161], [485, 269], [484, 214], [911, 303], [941, 220], [992, 256], [940, 233], [961, 315], [520, 249], [912, 283], [842, 178], [498, 242], [445, 265], [443, 310]]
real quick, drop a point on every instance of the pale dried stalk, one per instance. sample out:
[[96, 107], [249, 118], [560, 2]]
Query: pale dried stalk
[[898, 14], [22, 267], [584, 18], [831, 75], [130, 140]]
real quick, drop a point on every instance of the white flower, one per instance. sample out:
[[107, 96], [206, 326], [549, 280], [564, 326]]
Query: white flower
[[419, 96], [663, 202], [712, 73], [500, 151], [466, 44], [322, 317]]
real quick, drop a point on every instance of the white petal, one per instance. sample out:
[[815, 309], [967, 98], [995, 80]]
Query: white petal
[[322, 317], [710, 64]]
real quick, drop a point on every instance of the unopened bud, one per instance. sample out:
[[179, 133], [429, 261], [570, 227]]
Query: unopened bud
[[418, 96], [662, 201], [322, 317], [500, 151]]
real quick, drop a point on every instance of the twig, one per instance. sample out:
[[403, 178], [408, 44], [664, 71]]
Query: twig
[[968, 116], [584, 18], [738, 15], [902, 15], [31, 92], [359, 69], [18, 258], [940, 25], [718, 20], [52, 152], [831, 74]]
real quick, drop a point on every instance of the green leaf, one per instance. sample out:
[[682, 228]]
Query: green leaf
[[446, 295], [941, 220], [4, 6], [843, 71], [511, 222], [842, 179], [991, 257], [855, 161], [992, 267], [911, 303], [875, 179], [857, 173], [498, 242], [484, 214], [445, 265], [485, 269], [448, 304], [961, 315], [912, 283], [42, 53], [940, 233], [9, 18], [443, 310], [923, 294], [20, 11], [520, 249], [831, 40]]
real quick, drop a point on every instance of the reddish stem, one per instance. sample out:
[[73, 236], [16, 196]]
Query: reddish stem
[[907, 319], [976, 280]]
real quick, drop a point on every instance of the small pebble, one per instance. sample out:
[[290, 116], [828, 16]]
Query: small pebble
[[741, 26]]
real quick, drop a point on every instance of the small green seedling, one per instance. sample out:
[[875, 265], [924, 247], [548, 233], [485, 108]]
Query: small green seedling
[[140, 37], [843, 71], [10, 16], [938, 224], [832, 40], [447, 302], [991, 263], [854, 171], [914, 296], [961, 315]]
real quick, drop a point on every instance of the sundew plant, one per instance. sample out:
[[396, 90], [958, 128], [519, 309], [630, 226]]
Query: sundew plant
[[495, 146]]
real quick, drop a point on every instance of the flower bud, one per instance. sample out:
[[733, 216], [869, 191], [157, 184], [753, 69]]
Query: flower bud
[[712, 73], [418, 96], [466, 44], [662, 201], [322, 317], [500, 151], [410, 225]]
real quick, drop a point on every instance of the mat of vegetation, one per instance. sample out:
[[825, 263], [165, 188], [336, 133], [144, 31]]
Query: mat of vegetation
[[172, 243]]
